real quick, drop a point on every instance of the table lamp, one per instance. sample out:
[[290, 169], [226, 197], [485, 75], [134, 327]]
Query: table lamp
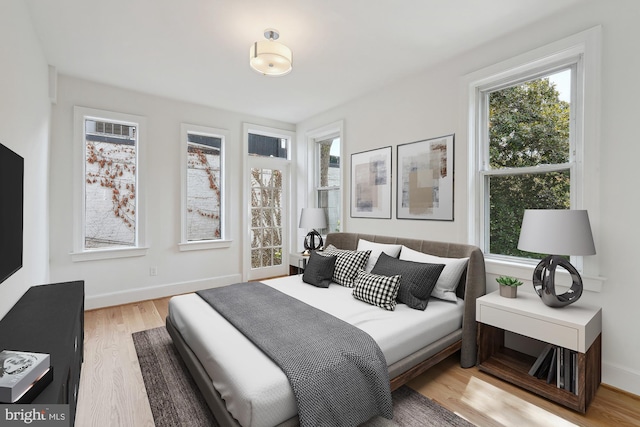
[[556, 231], [312, 218]]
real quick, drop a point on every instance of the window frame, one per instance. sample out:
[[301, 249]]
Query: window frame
[[332, 130], [318, 187], [583, 48], [224, 241], [80, 252], [576, 149]]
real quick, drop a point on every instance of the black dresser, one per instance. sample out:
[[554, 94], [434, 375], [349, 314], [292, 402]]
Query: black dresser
[[50, 319]]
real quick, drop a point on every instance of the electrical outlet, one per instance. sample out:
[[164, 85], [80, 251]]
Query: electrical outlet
[[153, 271]]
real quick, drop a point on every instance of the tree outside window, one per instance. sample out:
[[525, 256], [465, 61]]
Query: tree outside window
[[529, 157], [267, 202], [329, 178]]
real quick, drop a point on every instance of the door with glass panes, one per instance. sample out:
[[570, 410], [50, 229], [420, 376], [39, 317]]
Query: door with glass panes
[[268, 222]]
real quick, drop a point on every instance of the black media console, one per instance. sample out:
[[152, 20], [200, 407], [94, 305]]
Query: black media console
[[50, 319]]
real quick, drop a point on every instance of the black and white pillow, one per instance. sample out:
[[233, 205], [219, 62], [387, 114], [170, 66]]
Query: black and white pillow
[[418, 279], [377, 290], [319, 270], [348, 264]]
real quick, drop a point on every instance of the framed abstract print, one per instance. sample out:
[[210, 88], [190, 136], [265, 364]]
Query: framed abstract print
[[371, 184], [425, 179]]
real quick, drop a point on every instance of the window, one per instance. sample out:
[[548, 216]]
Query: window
[[203, 214], [268, 146], [527, 144], [328, 181], [533, 132], [325, 145], [110, 199]]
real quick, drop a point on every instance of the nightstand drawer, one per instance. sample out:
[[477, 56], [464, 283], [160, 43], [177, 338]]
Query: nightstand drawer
[[553, 333]]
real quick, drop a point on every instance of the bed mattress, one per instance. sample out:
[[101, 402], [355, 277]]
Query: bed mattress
[[256, 391]]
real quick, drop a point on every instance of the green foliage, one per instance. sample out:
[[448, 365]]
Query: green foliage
[[528, 126], [508, 281]]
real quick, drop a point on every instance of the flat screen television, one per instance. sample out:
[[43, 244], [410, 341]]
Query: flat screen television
[[11, 207]]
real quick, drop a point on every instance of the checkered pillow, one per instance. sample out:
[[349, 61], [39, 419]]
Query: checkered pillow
[[377, 290], [348, 264]]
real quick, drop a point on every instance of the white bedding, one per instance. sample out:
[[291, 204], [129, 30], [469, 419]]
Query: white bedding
[[255, 390]]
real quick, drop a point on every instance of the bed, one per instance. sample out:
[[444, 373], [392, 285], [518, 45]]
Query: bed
[[221, 352]]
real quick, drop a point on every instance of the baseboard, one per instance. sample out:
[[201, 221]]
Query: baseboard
[[141, 294], [621, 378]]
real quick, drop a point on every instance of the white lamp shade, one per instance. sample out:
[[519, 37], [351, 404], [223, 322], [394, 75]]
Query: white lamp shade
[[270, 58], [556, 232], [313, 218]]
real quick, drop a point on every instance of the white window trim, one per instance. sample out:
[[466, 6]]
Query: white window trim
[[248, 128], [587, 46], [224, 241], [335, 129], [79, 252]]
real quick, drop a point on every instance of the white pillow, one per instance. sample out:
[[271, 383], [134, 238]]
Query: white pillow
[[376, 249], [449, 278]]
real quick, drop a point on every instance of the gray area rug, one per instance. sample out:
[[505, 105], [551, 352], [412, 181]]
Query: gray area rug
[[176, 401]]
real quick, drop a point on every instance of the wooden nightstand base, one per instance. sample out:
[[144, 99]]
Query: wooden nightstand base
[[513, 367]]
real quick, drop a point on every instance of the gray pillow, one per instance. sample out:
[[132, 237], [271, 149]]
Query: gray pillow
[[319, 270], [417, 281], [449, 278]]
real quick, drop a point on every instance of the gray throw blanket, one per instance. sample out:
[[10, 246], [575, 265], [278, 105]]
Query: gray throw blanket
[[337, 372]]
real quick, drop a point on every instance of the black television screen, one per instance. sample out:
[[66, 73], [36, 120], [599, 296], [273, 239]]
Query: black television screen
[[11, 200]]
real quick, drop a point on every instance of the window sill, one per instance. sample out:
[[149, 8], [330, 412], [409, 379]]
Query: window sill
[[524, 271], [204, 245], [100, 254]]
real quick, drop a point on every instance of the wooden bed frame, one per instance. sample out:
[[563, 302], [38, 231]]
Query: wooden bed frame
[[472, 285]]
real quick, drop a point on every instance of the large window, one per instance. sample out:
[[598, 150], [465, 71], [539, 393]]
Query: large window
[[533, 136], [324, 147], [203, 214], [109, 202], [526, 141], [328, 181]]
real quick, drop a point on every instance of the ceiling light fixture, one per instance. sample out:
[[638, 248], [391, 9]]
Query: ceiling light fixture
[[269, 57]]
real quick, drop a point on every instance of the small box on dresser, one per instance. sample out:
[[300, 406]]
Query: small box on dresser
[[20, 372]]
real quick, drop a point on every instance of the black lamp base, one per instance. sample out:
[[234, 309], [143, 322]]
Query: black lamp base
[[544, 282], [313, 241]]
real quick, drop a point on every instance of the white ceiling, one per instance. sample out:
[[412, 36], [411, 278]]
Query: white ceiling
[[198, 50]]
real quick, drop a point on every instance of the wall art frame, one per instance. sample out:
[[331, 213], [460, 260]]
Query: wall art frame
[[371, 183], [425, 182]]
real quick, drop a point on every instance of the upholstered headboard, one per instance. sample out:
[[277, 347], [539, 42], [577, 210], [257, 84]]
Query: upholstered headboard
[[472, 283]]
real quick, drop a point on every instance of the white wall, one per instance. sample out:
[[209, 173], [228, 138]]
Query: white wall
[[432, 104], [117, 281], [24, 128]]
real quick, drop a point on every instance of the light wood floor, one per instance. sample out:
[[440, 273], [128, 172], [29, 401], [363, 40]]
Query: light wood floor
[[112, 392]]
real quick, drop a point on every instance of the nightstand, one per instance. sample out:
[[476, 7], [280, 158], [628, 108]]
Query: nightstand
[[575, 327], [297, 263]]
